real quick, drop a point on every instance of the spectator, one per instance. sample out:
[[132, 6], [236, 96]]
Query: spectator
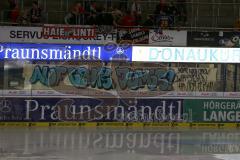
[[24, 18], [136, 11], [123, 5], [128, 19], [182, 11], [160, 11], [100, 15], [163, 4], [15, 13], [108, 18], [76, 15], [149, 22], [91, 19], [237, 25], [82, 14], [172, 13], [12, 4], [117, 15], [93, 8], [90, 13], [35, 13], [103, 16], [161, 8], [108, 4], [171, 9]]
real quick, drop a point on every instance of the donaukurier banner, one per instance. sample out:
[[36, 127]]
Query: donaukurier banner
[[91, 110], [168, 38], [35, 35]]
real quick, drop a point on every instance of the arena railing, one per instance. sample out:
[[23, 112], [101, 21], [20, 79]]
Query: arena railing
[[187, 28]]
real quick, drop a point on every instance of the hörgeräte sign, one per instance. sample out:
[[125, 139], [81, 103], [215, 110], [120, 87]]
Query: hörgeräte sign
[[213, 110]]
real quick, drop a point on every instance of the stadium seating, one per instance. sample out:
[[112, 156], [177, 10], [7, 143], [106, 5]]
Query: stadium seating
[[200, 13]]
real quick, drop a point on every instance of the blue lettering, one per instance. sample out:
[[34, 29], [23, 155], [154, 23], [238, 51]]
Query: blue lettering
[[202, 56], [79, 77], [213, 55], [179, 54], [154, 54], [191, 56], [167, 54], [101, 77]]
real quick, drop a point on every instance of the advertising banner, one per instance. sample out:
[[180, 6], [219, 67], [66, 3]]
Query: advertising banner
[[168, 38], [185, 54], [229, 39], [35, 35], [213, 110], [119, 110], [17, 51], [197, 80], [91, 110], [213, 39], [202, 39], [133, 35], [97, 79]]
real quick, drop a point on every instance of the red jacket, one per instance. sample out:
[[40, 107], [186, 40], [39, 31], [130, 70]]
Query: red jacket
[[14, 14], [128, 20]]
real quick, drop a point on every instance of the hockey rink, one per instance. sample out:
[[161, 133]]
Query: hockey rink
[[119, 144]]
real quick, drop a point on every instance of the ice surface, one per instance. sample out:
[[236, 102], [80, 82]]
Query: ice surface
[[118, 144]]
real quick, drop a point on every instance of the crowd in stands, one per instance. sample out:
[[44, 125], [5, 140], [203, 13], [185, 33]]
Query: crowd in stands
[[31, 15], [166, 14]]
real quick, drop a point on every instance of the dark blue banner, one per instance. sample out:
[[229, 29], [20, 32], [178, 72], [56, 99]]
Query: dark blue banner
[[90, 110], [108, 52]]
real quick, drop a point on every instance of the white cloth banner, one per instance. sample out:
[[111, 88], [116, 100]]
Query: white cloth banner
[[168, 38], [34, 35]]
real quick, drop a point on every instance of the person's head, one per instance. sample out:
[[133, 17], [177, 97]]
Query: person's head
[[78, 4], [75, 7], [35, 4]]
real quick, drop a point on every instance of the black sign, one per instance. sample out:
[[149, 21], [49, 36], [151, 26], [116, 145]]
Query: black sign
[[133, 35], [200, 39]]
